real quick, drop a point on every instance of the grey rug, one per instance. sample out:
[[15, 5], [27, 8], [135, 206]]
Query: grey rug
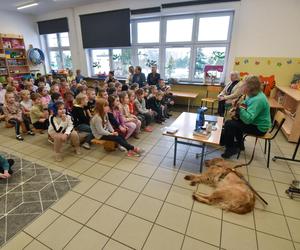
[[27, 194]]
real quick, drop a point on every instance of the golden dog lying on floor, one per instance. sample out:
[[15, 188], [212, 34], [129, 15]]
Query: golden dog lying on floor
[[231, 194]]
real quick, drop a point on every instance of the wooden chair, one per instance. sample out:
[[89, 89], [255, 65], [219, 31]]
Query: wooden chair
[[211, 100], [279, 119]]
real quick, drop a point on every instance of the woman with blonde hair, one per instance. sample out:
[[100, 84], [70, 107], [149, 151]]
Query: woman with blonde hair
[[253, 118]]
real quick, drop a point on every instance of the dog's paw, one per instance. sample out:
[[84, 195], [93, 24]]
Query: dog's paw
[[193, 183], [189, 177], [194, 196]]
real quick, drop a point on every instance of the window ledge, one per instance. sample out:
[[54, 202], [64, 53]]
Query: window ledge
[[198, 84]]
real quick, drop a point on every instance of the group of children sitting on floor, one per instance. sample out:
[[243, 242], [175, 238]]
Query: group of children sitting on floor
[[107, 110]]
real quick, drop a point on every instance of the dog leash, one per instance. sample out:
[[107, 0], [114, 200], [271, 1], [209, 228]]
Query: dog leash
[[233, 170]]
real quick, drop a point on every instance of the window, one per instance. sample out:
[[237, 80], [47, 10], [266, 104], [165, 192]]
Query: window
[[213, 28], [177, 63], [100, 61], [179, 30], [147, 57], [121, 59], [148, 32], [210, 56], [58, 50], [182, 46]]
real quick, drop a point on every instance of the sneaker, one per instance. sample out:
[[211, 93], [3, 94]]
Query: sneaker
[[30, 133], [132, 153], [138, 150], [148, 129], [86, 145], [121, 148], [19, 138]]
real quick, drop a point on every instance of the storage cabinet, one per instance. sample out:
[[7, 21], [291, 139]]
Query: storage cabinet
[[13, 57], [290, 100]]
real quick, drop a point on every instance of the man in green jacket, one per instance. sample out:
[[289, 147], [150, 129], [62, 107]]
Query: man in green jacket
[[254, 118]]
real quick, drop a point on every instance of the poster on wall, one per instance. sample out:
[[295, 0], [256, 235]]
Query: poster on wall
[[282, 68]]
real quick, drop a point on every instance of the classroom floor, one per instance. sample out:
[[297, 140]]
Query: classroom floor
[[144, 203]]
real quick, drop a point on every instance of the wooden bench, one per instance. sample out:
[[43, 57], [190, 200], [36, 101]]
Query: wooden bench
[[108, 145]]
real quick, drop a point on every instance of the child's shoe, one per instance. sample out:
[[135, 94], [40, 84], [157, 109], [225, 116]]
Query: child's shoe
[[86, 145], [30, 133], [148, 129], [20, 138]]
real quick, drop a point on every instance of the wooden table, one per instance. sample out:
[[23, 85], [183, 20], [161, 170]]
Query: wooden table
[[186, 125], [188, 95]]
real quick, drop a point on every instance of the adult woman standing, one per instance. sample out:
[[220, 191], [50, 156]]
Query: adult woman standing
[[253, 118]]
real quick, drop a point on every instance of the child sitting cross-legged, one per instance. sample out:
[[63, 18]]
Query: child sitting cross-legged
[[61, 129], [144, 114], [38, 114], [103, 130], [81, 118], [116, 119], [5, 167], [26, 103], [154, 103], [131, 121], [14, 115]]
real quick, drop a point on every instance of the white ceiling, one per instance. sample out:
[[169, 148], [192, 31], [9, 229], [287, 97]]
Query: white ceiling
[[44, 5]]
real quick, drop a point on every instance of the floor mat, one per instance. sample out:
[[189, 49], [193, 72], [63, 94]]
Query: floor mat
[[28, 193]]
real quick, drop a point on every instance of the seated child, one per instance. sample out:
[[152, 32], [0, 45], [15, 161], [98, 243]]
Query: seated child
[[155, 104], [131, 121], [45, 97], [102, 128], [2, 98], [81, 118], [68, 100], [14, 115], [61, 129], [73, 87], [168, 100], [118, 87], [38, 114], [5, 167], [134, 87], [144, 114], [26, 103], [103, 85], [115, 117], [91, 94], [102, 94], [54, 89], [153, 90], [111, 91], [55, 97]]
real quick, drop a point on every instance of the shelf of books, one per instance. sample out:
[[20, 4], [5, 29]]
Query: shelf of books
[[13, 56]]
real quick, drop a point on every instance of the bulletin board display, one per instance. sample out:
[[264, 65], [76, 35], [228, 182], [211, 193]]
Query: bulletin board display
[[283, 68]]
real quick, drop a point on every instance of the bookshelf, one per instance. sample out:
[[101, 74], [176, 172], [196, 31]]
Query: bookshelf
[[290, 100], [13, 56]]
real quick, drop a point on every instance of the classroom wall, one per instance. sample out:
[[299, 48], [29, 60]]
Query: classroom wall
[[261, 27], [16, 23]]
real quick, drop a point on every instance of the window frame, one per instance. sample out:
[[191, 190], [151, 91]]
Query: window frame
[[162, 45], [58, 49]]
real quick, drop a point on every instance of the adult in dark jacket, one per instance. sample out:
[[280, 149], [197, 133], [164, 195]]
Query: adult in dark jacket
[[153, 77], [139, 77]]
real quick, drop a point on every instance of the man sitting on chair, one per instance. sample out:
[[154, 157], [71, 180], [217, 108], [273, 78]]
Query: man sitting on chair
[[253, 118], [230, 93]]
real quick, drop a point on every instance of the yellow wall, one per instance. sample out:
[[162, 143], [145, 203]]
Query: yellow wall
[[283, 68]]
